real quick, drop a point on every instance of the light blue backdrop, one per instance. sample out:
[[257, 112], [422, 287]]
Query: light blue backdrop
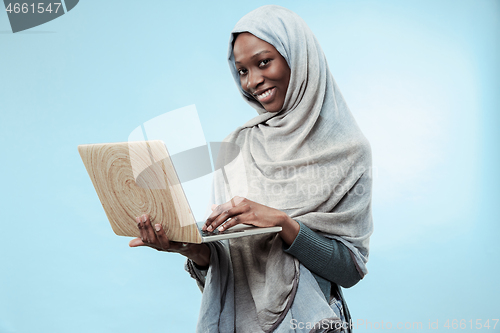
[[421, 77]]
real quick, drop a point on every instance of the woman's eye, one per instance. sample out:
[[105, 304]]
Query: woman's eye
[[242, 72], [264, 62]]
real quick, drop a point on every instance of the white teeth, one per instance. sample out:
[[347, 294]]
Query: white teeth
[[264, 94]]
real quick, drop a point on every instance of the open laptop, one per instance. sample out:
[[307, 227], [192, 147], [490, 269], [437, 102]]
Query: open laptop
[[135, 178]]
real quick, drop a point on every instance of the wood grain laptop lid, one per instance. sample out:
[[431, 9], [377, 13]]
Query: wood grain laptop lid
[[134, 178]]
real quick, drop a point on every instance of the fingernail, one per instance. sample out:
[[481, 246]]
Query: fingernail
[[221, 228], [138, 219], [209, 228], [157, 227], [144, 218]]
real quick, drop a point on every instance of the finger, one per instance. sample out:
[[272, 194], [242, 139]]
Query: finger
[[136, 242], [162, 237], [231, 223], [142, 231], [150, 233], [230, 213], [218, 209], [213, 208]]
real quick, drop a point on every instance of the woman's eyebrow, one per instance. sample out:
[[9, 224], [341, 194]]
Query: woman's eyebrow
[[255, 55], [259, 53]]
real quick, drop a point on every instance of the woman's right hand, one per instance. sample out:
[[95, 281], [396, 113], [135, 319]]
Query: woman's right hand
[[156, 238]]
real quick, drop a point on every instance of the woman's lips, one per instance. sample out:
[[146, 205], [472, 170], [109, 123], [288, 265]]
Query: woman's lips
[[267, 95]]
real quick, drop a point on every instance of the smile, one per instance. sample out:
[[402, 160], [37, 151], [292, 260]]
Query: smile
[[266, 96]]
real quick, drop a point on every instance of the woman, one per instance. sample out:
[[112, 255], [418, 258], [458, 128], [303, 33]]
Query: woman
[[303, 165]]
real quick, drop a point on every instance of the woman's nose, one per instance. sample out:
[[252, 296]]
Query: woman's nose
[[254, 80]]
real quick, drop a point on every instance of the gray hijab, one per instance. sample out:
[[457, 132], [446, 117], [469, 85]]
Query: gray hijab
[[309, 160]]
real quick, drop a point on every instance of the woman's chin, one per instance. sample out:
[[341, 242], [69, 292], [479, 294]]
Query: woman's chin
[[273, 108]]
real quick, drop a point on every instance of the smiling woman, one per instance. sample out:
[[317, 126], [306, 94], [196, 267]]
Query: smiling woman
[[289, 281], [263, 71]]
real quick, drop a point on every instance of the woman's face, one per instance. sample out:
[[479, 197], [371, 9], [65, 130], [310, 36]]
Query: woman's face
[[263, 72]]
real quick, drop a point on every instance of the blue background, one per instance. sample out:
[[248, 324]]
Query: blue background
[[421, 78]]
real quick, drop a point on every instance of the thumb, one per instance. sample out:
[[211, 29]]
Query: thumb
[[136, 242]]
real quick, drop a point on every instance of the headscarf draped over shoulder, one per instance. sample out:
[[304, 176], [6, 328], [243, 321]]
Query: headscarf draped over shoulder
[[309, 160]]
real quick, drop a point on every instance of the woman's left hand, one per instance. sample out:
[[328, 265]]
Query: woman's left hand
[[241, 210]]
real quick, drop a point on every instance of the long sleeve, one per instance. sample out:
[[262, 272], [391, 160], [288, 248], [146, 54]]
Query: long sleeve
[[196, 273], [200, 273], [324, 257]]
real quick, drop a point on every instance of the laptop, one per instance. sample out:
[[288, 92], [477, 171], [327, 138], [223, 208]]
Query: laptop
[[135, 178]]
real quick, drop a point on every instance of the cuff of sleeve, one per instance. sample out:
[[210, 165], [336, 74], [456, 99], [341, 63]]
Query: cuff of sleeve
[[198, 274], [310, 247], [200, 268]]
